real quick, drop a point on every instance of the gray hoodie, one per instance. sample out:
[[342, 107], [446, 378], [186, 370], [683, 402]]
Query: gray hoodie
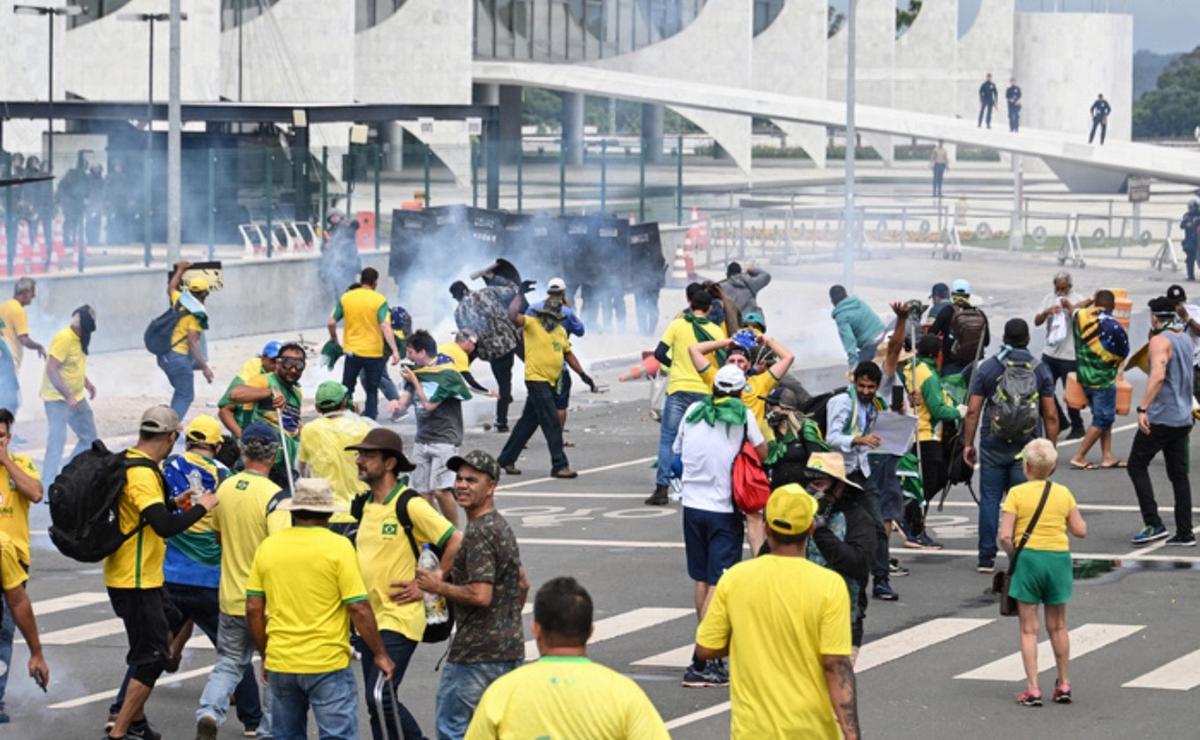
[[743, 289]]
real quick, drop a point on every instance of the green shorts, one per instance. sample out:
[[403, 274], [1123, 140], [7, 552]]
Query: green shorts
[[1042, 577]]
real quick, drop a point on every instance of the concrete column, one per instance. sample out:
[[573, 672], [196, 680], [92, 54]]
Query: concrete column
[[392, 134], [510, 122], [483, 94], [572, 127], [652, 132]]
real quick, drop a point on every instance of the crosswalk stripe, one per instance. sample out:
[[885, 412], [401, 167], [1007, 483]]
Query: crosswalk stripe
[[621, 624], [70, 601], [163, 680], [1181, 674], [85, 632], [1084, 640], [677, 658]]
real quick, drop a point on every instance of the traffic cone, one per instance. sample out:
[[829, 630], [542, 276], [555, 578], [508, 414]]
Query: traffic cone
[[649, 367], [25, 247]]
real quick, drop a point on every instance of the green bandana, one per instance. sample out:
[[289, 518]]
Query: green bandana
[[698, 328], [730, 411]]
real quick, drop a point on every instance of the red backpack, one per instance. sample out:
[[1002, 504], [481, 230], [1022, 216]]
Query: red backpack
[[751, 487]]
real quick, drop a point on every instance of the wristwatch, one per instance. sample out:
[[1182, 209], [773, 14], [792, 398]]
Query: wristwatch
[[1141, 410]]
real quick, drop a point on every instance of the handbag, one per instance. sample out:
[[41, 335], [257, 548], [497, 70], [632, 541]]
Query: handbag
[[1000, 582], [750, 484]]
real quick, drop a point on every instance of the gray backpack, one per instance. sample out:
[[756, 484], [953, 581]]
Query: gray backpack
[[1014, 403]]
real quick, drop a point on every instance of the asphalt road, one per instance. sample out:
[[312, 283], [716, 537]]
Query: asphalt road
[[1136, 623]]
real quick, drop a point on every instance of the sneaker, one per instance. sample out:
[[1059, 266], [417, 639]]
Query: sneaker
[[501, 428], [884, 591], [564, 473], [703, 678], [510, 469], [249, 732], [895, 569], [4, 718], [721, 666], [928, 542], [1182, 540], [1076, 434], [1149, 534], [206, 728], [1062, 693], [112, 720], [1029, 698], [143, 731], [658, 498], [985, 565]]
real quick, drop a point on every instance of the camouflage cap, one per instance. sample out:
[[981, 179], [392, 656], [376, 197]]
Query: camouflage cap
[[478, 459]]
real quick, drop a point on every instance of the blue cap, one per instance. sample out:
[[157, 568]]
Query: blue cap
[[961, 287], [745, 339], [270, 350], [259, 431]]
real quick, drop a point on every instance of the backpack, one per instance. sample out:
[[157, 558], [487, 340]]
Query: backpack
[[157, 336], [83, 503], [968, 326], [1014, 403], [749, 482], [433, 632], [401, 320]]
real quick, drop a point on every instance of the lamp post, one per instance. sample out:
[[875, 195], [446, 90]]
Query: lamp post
[[49, 11], [848, 219]]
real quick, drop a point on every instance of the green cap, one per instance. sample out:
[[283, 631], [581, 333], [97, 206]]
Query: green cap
[[477, 459], [330, 395]]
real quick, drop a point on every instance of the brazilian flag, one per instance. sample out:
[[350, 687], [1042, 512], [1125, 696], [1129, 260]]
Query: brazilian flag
[[441, 381]]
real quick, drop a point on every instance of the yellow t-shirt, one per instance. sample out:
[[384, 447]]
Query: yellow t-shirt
[[186, 324], [243, 522], [1051, 531], [307, 575], [14, 508], [68, 350], [565, 697], [138, 562], [252, 368], [754, 395], [323, 443], [683, 376], [361, 311], [385, 557], [544, 351], [462, 361], [779, 615], [16, 323], [12, 575]]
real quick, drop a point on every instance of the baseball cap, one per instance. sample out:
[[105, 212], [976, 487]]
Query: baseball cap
[[159, 419], [790, 509], [330, 395], [1177, 294], [730, 379], [1162, 306], [478, 459], [260, 431], [204, 429], [270, 350], [312, 494], [198, 285], [385, 440], [756, 318], [556, 285], [939, 290], [961, 287]]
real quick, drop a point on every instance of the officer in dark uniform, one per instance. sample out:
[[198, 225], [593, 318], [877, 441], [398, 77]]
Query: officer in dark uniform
[[1013, 96], [987, 100], [1190, 225], [1100, 111]]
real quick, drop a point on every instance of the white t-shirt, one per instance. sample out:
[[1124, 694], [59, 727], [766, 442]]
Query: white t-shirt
[[1064, 350], [708, 453]]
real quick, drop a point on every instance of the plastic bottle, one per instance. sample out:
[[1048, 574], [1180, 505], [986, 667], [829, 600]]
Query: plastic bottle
[[195, 484], [436, 611]]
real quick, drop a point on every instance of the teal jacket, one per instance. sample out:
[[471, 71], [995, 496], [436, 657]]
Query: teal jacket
[[857, 326]]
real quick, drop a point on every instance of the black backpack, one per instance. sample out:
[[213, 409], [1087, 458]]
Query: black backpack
[[433, 632], [157, 336], [1014, 403], [968, 326], [83, 503]]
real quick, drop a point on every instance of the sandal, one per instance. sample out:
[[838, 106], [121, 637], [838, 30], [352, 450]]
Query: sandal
[[1085, 466], [1062, 693], [1114, 466], [1029, 698]]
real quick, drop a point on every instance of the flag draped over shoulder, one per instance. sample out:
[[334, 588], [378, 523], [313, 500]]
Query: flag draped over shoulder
[[448, 382]]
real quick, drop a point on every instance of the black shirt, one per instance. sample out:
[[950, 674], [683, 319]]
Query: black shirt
[[1013, 95], [987, 92]]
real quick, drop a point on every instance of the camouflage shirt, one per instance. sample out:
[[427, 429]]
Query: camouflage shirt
[[489, 554], [485, 312]]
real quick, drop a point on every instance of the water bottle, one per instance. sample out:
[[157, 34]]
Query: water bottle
[[196, 485], [436, 611]]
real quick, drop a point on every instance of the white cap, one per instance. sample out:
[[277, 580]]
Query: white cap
[[730, 379], [556, 285]]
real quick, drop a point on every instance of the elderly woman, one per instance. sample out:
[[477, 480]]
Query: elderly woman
[[1041, 572]]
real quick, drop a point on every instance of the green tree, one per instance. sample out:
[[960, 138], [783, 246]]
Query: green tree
[[905, 18], [1172, 109]]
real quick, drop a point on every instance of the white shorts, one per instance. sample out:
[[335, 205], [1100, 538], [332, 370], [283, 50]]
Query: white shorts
[[431, 473]]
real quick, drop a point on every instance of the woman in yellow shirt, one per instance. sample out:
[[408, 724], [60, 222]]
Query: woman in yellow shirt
[[1043, 573]]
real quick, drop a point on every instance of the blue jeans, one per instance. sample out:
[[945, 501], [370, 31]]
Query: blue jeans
[[235, 648], [672, 417], [58, 417], [459, 691], [999, 471], [7, 629], [181, 372], [331, 696], [400, 649], [372, 370]]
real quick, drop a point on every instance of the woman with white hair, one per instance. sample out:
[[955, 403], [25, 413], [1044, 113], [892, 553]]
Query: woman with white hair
[[1040, 564]]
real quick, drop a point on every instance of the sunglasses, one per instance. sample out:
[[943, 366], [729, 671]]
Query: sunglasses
[[293, 363]]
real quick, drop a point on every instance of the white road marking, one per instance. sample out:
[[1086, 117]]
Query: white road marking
[[1181, 674], [688, 719], [83, 633], [589, 471], [1084, 639], [599, 543], [1125, 508], [680, 657], [622, 624], [1122, 428], [70, 601], [164, 680], [544, 494]]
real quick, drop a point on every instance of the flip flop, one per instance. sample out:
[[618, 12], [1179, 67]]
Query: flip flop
[[1086, 466], [1117, 464]]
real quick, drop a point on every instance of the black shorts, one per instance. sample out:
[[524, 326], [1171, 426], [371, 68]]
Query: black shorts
[[148, 616], [562, 391]]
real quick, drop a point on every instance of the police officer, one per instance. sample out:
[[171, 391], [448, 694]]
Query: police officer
[[1190, 225], [1100, 111], [987, 100], [1013, 96]]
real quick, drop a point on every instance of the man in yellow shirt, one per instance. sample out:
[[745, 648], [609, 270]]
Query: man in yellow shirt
[[66, 390], [323, 454], [308, 578], [237, 415], [16, 321], [134, 573], [565, 694], [189, 350], [395, 522], [685, 386], [17, 604], [367, 321], [462, 352], [785, 624], [250, 513]]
